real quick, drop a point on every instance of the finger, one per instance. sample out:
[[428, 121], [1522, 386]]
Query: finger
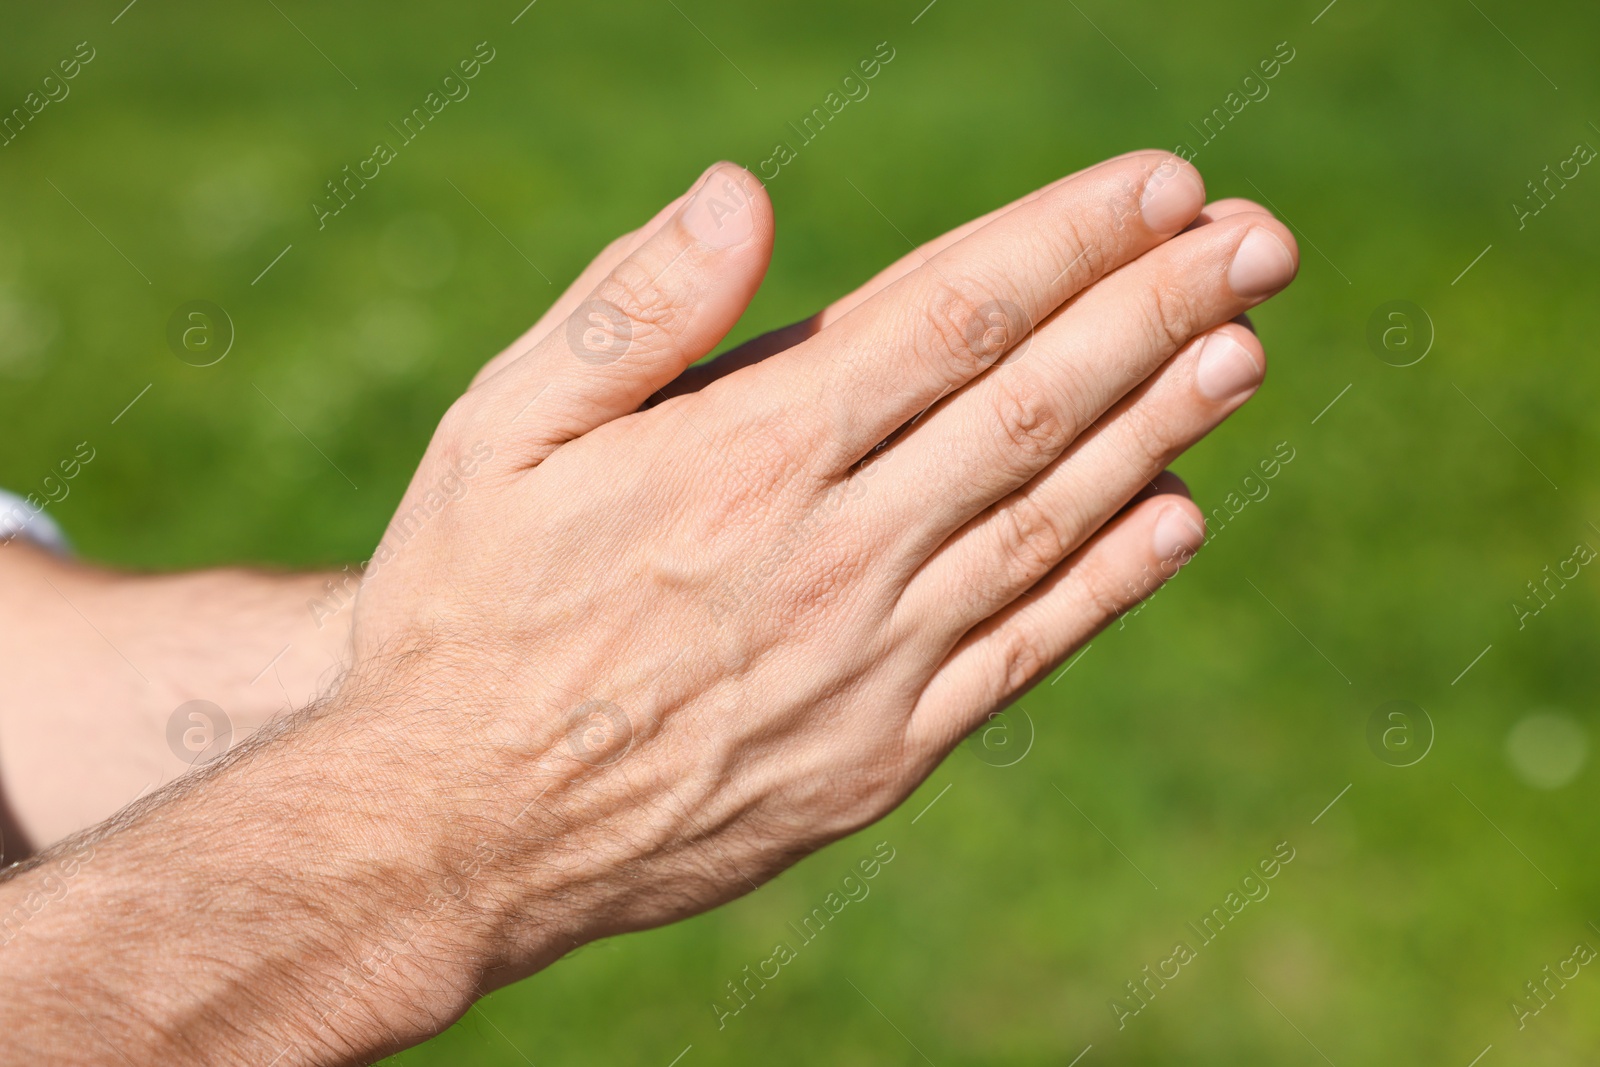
[[953, 317], [920, 256], [994, 436], [603, 264], [1000, 554], [759, 348], [1125, 563], [664, 306], [909, 262], [771, 343]]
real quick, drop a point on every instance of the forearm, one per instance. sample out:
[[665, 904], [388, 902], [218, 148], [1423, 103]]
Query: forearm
[[93, 665], [274, 908]]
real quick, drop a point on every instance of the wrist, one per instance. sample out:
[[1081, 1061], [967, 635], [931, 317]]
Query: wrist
[[378, 936]]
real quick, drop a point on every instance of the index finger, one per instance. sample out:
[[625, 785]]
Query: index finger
[[964, 308]]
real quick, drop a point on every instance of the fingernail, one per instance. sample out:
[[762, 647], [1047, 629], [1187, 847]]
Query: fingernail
[[719, 214], [1261, 266], [1172, 198], [1226, 369], [1177, 535]]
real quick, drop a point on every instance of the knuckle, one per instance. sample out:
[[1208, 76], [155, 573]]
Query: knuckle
[[949, 315], [635, 292], [1022, 656], [1150, 437], [1106, 598], [1171, 314], [637, 295], [1032, 539], [1025, 422], [963, 321], [1083, 251]]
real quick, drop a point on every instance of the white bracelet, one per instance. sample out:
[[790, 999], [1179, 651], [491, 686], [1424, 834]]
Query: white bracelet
[[21, 520]]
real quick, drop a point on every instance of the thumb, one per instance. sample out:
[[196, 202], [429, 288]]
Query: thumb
[[665, 305]]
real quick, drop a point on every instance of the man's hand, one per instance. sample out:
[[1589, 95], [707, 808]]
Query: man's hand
[[257, 645], [720, 633], [653, 657]]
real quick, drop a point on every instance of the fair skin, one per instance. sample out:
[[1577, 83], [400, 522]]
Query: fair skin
[[101, 662], [653, 655], [83, 730]]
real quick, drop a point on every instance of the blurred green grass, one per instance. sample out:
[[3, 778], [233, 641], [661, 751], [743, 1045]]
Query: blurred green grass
[[1207, 730]]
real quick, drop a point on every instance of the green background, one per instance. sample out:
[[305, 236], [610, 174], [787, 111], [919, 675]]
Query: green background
[[1219, 722]]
